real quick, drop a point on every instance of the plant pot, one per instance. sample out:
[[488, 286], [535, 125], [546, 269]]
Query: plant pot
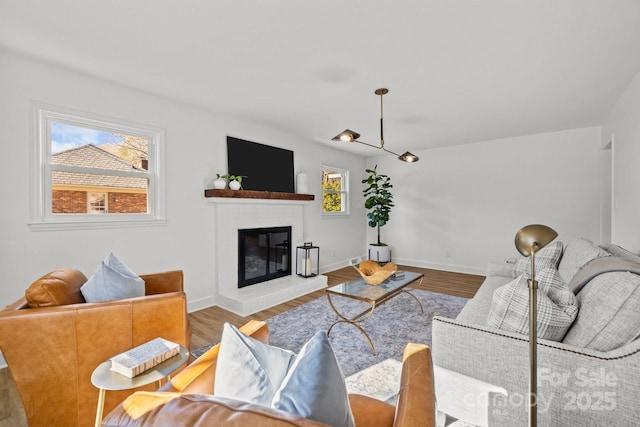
[[234, 185], [220, 184], [379, 253]]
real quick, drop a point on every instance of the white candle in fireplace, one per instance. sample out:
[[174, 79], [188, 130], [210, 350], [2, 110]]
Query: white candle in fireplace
[[285, 262]]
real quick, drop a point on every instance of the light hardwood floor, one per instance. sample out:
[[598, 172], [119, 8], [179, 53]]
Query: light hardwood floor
[[207, 324]]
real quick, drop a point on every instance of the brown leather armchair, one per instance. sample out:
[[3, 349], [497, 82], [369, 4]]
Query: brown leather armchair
[[186, 400], [54, 341]]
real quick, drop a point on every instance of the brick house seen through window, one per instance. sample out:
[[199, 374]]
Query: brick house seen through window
[[79, 193]]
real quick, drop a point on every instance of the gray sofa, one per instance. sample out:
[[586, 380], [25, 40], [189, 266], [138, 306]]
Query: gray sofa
[[589, 378]]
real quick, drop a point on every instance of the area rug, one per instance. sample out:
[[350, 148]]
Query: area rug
[[391, 327], [380, 381]]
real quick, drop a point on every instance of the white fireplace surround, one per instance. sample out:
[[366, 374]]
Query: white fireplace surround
[[233, 214]]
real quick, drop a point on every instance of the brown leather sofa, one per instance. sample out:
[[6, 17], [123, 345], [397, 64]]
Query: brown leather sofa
[[186, 400], [53, 340]]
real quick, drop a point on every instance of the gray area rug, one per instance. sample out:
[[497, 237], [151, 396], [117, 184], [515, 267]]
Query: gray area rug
[[391, 327]]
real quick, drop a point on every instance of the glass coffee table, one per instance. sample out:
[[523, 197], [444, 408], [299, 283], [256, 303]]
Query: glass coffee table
[[375, 295]]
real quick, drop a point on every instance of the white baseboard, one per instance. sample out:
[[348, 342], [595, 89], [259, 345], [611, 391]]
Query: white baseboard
[[200, 303], [439, 266], [3, 363]]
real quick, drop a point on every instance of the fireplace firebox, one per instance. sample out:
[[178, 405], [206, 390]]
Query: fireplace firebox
[[263, 254]]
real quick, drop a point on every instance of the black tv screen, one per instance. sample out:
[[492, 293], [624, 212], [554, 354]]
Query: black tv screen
[[262, 167]]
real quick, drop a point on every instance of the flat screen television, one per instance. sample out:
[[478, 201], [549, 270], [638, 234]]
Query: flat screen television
[[262, 167]]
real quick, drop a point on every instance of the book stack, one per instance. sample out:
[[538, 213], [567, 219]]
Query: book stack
[[144, 357], [398, 275]]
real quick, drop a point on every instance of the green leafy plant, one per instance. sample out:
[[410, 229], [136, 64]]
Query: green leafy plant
[[378, 199]]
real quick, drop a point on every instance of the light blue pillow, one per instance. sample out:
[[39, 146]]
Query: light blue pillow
[[112, 280], [248, 369], [314, 387], [310, 384]]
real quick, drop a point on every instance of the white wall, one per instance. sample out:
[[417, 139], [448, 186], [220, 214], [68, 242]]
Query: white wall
[[469, 201], [196, 150], [623, 123]]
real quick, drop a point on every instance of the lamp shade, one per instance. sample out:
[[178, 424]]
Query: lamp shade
[[534, 237], [346, 135], [409, 157]]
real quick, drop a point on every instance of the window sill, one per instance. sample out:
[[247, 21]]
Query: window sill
[[89, 225]]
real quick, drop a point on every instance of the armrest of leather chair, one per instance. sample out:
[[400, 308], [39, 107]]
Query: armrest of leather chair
[[161, 283], [199, 376], [416, 405]]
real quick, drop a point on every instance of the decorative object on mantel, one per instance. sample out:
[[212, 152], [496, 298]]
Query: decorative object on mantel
[[221, 182], [373, 274], [378, 199], [351, 136], [251, 194], [302, 183], [234, 181], [307, 260]]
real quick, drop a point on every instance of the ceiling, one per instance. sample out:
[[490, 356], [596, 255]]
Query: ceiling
[[458, 71]]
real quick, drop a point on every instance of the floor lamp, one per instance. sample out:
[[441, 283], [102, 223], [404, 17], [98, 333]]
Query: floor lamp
[[529, 240]]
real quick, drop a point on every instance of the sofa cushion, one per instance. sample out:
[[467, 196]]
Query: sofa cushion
[[313, 385], [577, 253], [557, 306], [60, 287], [545, 257], [609, 312], [620, 252], [112, 280]]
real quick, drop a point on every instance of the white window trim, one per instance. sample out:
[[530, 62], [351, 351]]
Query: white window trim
[[345, 185], [41, 217]]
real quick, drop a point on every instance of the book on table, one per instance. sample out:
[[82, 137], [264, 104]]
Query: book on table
[[144, 357]]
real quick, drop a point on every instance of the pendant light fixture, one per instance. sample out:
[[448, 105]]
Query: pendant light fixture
[[350, 136]]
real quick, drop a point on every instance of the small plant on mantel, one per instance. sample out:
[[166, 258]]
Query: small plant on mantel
[[230, 179]]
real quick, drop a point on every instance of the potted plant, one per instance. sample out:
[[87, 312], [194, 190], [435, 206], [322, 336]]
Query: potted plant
[[221, 182], [378, 200], [234, 181]]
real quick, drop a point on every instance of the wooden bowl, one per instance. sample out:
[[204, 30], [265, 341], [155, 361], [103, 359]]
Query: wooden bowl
[[373, 274]]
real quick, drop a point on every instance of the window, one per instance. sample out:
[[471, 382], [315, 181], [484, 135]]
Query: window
[[335, 191], [97, 203], [90, 171]]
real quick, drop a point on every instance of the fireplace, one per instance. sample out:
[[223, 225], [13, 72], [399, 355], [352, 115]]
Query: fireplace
[[233, 214], [263, 254]]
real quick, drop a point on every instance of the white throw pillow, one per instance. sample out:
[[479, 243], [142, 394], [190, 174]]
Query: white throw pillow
[[310, 384], [556, 311], [112, 280]]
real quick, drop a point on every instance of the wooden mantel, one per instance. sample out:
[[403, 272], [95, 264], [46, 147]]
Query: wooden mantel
[[250, 194]]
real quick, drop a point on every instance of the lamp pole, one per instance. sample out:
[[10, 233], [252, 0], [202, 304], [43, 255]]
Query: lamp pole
[[533, 343]]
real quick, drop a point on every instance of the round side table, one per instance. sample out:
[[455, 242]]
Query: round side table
[[105, 379]]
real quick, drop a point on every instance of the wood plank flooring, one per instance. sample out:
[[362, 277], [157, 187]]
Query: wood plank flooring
[[206, 324]]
